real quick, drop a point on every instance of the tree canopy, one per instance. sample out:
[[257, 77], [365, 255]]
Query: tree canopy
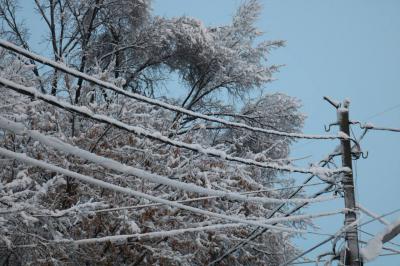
[[122, 42]]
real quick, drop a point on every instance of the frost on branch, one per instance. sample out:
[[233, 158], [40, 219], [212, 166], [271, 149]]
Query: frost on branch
[[119, 41]]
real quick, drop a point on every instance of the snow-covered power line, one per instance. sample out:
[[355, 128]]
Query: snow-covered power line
[[370, 126], [390, 242], [372, 214], [314, 261], [374, 246], [122, 238], [160, 234], [107, 163], [62, 67], [379, 217], [127, 191], [391, 228], [265, 223], [199, 198], [255, 232], [338, 233], [85, 112]]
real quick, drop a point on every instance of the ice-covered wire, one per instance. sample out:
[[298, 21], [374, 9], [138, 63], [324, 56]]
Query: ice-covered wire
[[62, 67], [199, 198], [314, 261], [256, 233], [369, 234], [155, 135], [371, 214], [369, 126], [180, 231], [120, 239], [127, 191], [339, 232], [111, 164]]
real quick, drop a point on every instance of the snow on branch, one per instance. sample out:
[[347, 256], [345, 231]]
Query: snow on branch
[[99, 183], [375, 245], [155, 135], [62, 67], [19, 129]]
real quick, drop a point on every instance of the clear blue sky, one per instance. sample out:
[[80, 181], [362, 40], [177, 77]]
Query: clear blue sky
[[343, 49]]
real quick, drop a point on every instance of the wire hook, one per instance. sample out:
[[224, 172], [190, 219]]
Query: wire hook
[[356, 123], [364, 155], [327, 129]]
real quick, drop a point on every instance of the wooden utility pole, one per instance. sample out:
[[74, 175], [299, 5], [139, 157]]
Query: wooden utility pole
[[351, 235]]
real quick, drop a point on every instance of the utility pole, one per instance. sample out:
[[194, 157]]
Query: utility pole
[[351, 235]]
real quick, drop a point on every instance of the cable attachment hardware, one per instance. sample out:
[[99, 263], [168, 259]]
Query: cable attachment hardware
[[327, 129]]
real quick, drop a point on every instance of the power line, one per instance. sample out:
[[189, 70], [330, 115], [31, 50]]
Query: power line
[[383, 112], [183, 201], [372, 127], [99, 183], [62, 67], [367, 233], [111, 164], [314, 261], [338, 233], [154, 135], [381, 216], [354, 224], [201, 198], [254, 234]]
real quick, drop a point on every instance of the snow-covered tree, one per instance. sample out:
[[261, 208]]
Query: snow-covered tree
[[120, 41]]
